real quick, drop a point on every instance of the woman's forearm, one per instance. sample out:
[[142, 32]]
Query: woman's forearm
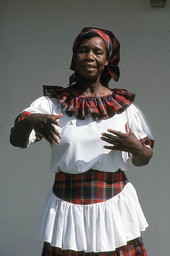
[[19, 135], [142, 157], [42, 124]]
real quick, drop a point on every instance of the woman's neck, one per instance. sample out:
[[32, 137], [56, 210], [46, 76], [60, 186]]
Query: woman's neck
[[90, 89]]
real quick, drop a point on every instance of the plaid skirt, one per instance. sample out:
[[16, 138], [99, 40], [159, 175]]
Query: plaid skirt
[[88, 188]]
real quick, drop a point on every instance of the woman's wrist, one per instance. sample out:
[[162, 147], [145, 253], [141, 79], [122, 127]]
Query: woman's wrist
[[20, 133], [142, 156]]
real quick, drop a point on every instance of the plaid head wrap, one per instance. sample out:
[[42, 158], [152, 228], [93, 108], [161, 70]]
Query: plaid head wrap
[[113, 56]]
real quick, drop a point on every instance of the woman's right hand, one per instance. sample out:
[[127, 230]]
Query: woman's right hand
[[43, 124]]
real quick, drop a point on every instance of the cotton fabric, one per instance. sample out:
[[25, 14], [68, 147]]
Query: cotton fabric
[[133, 248], [89, 187], [98, 107], [97, 227], [75, 153]]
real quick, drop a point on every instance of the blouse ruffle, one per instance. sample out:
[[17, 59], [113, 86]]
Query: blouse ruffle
[[98, 107], [98, 227]]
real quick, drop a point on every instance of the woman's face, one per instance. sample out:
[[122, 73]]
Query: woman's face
[[91, 58]]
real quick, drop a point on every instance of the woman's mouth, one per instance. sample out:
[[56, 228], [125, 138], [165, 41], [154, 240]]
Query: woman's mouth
[[89, 67]]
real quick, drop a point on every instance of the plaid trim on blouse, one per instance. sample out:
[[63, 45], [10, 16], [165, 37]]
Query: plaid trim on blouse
[[99, 108], [133, 248], [22, 116], [147, 142], [90, 187]]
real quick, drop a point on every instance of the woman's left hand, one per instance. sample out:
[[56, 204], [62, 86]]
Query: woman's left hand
[[122, 141], [128, 142]]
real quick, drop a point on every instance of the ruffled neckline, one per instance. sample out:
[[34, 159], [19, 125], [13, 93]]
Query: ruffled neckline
[[98, 107]]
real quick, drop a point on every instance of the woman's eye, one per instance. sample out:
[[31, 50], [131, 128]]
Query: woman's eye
[[99, 52], [82, 50], [86, 50]]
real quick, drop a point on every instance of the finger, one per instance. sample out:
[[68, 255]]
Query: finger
[[56, 132], [112, 139], [48, 134], [110, 136], [118, 133], [55, 117], [59, 116], [109, 147], [116, 148], [108, 140], [127, 128], [53, 121], [53, 139], [48, 137], [112, 147]]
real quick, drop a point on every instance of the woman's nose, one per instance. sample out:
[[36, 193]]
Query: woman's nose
[[90, 55]]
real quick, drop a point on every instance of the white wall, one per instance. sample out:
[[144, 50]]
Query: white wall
[[36, 38]]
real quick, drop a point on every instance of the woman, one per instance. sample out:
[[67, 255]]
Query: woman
[[93, 131]]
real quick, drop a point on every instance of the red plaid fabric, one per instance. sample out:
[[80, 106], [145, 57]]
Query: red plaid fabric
[[22, 116], [99, 108], [147, 141], [133, 248], [89, 187]]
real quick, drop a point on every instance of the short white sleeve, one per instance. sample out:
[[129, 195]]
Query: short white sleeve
[[138, 123], [43, 105]]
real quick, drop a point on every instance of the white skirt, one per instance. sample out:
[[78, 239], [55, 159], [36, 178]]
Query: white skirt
[[99, 227]]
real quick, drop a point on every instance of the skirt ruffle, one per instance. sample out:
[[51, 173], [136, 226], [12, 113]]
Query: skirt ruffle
[[133, 248], [99, 227]]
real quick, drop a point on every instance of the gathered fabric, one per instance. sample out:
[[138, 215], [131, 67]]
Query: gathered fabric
[[98, 227], [80, 107], [133, 248], [113, 48], [98, 107]]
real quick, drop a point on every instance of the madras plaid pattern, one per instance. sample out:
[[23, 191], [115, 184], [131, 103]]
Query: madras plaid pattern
[[99, 108], [21, 116], [133, 248], [147, 141], [89, 187], [113, 50]]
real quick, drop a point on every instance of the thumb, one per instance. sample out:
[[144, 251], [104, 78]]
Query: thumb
[[56, 116], [127, 128]]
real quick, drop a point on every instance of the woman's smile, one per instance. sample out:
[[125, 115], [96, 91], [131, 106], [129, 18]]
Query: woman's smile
[[89, 67], [91, 58]]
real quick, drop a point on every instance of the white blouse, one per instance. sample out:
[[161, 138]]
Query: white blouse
[[81, 147], [99, 227]]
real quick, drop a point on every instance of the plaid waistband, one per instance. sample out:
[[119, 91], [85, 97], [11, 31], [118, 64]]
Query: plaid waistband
[[90, 187]]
